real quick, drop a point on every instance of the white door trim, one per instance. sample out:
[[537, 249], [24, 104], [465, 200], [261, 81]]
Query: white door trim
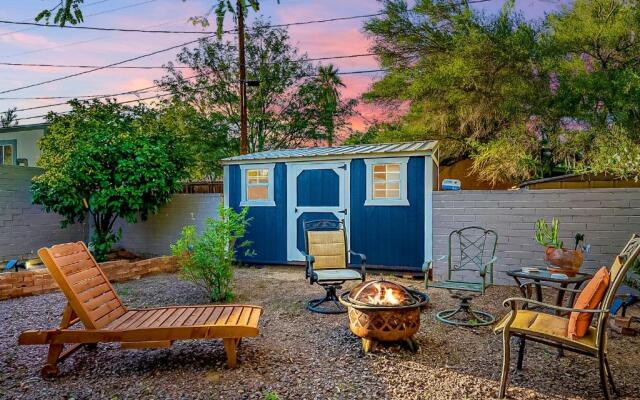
[[428, 209], [293, 170]]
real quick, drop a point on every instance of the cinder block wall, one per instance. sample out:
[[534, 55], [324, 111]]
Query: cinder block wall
[[154, 236], [607, 217], [24, 227]]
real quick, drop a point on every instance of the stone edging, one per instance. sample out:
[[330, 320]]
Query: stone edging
[[28, 283]]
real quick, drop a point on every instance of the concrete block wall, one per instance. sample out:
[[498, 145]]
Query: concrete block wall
[[607, 217], [25, 227], [154, 236]]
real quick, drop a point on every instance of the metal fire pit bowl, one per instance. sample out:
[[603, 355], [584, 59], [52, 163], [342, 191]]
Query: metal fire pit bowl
[[384, 322]]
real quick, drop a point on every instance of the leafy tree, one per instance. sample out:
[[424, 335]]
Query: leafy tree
[[471, 79], [207, 258], [107, 161], [284, 110], [207, 135], [9, 118]]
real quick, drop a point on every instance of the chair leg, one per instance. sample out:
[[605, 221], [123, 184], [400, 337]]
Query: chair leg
[[506, 355], [603, 376], [521, 353], [50, 368], [230, 347], [610, 376], [331, 297]]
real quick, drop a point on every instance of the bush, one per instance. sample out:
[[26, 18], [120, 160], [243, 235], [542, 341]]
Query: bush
[[207, 259]]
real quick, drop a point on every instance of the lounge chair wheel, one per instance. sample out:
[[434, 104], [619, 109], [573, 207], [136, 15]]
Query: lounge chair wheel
[[49, 371]]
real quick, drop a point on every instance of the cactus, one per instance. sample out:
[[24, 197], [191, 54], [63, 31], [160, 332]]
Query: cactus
[[548, 236]]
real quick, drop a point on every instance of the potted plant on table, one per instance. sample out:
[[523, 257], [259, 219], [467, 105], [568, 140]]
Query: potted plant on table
[[559, 259]]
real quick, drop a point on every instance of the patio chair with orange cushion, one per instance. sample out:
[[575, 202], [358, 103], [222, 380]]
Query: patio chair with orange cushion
[[93, 302], [574, 333]]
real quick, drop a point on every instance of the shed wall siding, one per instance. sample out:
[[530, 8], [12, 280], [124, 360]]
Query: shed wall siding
[[267, 228], [391, 236]]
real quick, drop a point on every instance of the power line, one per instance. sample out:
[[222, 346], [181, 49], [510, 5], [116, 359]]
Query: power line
[[99, 68], [88, 15], [159, 67], [96, 28], [167, 94]]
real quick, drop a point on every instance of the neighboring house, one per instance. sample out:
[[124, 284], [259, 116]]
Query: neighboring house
[[19, 144], [382, 192]]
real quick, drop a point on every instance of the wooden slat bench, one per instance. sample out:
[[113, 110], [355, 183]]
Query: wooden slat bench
[[93, 302]]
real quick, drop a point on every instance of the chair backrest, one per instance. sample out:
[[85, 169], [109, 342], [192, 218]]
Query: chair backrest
[[83, 283], [326, 241], [617, 274], [471, 248]]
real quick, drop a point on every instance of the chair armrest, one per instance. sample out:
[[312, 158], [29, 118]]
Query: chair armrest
[[309, 260], [363, 263], [524, 285], [513, 303], [483, 267]]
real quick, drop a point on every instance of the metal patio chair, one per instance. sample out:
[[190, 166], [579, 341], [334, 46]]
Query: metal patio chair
[[472, 265], [327, 256], [551, 329]]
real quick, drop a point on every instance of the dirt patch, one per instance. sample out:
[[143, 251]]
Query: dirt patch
[[299, 355]]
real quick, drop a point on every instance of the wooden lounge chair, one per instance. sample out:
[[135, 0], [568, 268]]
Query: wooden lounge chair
[[93, 302], [552, 330]]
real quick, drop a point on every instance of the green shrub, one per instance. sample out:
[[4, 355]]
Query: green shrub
[[271, 395], [207, 259]]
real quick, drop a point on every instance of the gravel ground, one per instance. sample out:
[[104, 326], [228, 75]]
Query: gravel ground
[[299, 355]]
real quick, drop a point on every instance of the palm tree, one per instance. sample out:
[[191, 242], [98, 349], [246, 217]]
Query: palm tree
[[328, 83]]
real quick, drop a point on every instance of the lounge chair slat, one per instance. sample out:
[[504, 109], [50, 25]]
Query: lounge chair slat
[[65, 249], [222, 320], [154, 317], [83, 275], [83, 286], [146, 314], [235, 316], [96, 302], [131, 321], [110, 316], [78, 266], [171, 320], [167, 314], [104, 309], [255, 317], [205, 316], [180, 321], [67, 261], [244, 317], [121, 320], [93, 292], [194, 316]]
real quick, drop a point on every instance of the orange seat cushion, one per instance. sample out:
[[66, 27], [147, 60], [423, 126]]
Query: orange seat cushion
[[588, 299]]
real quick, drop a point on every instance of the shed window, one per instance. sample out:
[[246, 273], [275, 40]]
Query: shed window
[[7, 152], [387, 182], [257, 185]]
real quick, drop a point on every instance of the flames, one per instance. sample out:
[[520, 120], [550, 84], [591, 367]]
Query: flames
[[385, 296]]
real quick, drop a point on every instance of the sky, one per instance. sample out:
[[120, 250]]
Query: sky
[[23, 44]]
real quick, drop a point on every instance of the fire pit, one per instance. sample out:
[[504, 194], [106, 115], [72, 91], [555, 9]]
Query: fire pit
[[384, 311]]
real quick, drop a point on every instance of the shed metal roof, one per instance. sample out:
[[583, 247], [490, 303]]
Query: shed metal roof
[[353, 151]]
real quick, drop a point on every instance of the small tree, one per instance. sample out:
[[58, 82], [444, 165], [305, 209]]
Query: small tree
[[207, 259], [108, 161]]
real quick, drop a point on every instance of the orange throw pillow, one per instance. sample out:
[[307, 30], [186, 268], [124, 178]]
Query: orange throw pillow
[[589, 298]]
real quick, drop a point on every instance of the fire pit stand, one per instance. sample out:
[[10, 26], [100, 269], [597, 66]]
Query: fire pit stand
[[382, 311]]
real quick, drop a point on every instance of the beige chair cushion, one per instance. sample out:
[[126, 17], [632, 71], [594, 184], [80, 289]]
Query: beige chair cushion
[[341, 274], [328, 248], [548, 326]]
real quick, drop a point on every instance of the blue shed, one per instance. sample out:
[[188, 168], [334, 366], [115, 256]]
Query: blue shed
[[383, 193]]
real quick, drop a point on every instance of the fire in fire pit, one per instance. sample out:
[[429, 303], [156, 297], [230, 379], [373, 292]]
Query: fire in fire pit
[[384, 311]]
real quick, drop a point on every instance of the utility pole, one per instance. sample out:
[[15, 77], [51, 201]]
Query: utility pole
[[244, 142]]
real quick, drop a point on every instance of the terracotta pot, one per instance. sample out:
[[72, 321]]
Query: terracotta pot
[[563, 261]]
